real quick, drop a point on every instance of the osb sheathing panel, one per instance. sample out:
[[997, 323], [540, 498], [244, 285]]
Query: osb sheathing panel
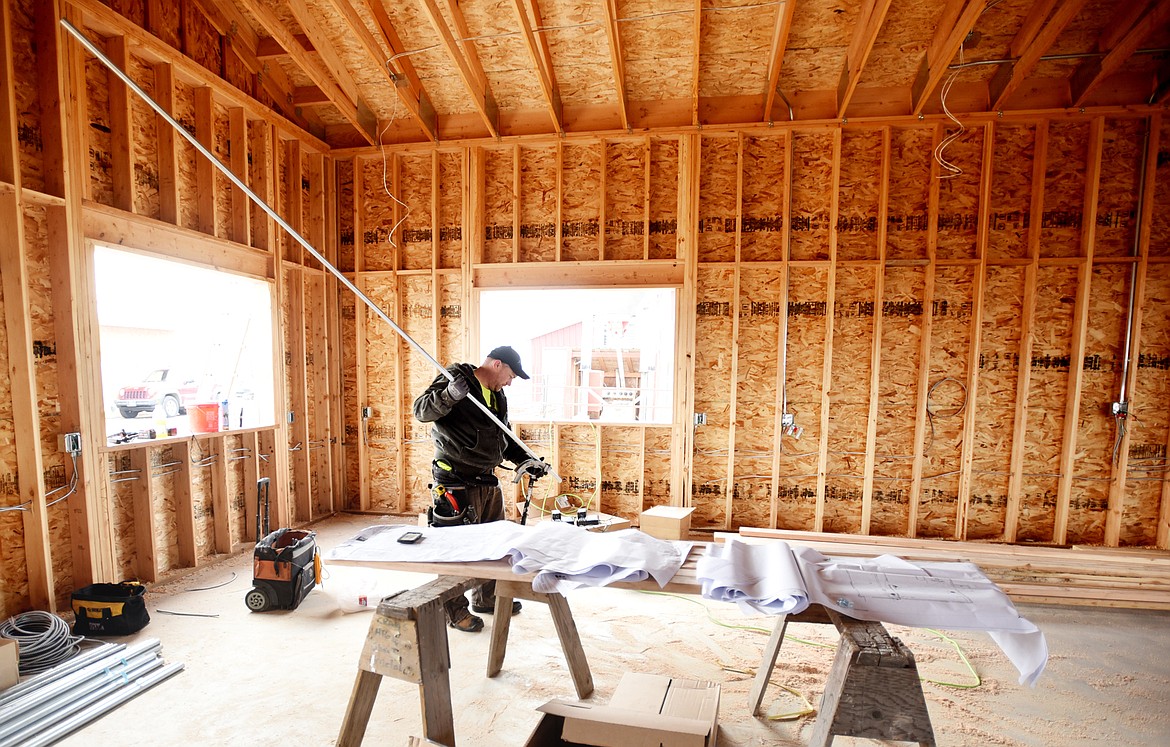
[[908, 221], [186, 156], [27, 89], [417, 320], [663, 198], [1012, 158], [995, 401], [849, 397], [1064, 189], [502, 52], [765, 193], [1047, 395], [713, 369], [580, 55], [377, 218], [416, 241], [958, 196], [345, 214], [371, 79], [657, 51], [808, 293], [995, 30], [97, 101], [538, 204], [164, 475], [581, 201], [860, 194], [1160, 215], [621, 461], [759, 308], [901, 44], [381, 348], [577, 461], [439, 75], [1096, 432], [14, 590], [656, 475], [1080, 34], [1149, 429], [144, 142], [1117, 200], [499, 205], [201, 42], [450, 210], [452, 321], [237, 455], [950, 341], [354, 424], [626, 163], [814, 55], [812, 190], [317, 393], [223, 185], [735, 42], [902, 329], [201, 501], [718, 191]]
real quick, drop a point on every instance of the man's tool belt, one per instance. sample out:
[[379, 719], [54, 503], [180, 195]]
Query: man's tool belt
[[451, 506]]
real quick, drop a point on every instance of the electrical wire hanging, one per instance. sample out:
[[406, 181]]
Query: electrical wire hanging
[[950, 169]]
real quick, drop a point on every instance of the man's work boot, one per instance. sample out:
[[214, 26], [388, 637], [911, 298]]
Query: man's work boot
[[491, 608], [468, 623]]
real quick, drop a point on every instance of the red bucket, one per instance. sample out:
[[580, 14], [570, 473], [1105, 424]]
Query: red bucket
[[203, 417]]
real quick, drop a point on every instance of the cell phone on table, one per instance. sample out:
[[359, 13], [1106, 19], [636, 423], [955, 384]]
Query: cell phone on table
[[409, 538]]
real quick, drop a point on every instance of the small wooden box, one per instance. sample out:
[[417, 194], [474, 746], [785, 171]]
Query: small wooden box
[[9, 663], [667, 522]]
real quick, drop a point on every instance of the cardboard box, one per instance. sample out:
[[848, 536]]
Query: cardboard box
[[9, 663], [667, 522], [647, 710]]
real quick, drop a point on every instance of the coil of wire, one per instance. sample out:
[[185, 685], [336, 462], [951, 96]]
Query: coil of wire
[[45, 640]]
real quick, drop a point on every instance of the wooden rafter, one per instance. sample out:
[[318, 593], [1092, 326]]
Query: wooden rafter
[[351, 108], [370, 44], [1033, 40], [400, 66], [615, 55], [481, 95], [865, 33], [958, 19], [1117, 48], [463, 35], [544, 71], [1161, 84], [697, 41], [776, 58]]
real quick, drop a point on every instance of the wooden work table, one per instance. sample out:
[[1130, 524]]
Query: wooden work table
[[873, 688]]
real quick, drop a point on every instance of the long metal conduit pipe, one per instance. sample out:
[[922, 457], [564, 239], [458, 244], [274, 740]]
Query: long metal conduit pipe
[[96, 52]]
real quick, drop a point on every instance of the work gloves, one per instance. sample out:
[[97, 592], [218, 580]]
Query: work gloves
[[458, 388]]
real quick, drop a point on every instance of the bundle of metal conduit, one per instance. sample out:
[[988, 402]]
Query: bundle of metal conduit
[[48, 707]]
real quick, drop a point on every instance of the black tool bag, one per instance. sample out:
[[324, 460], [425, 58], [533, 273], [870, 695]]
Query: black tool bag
[[110, 609]]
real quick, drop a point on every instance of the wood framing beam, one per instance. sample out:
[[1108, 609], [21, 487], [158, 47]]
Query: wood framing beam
[[268, 48], [328, 73], [206, 175], [1034, 38], [537, 52], [780, 31], [697, 42], [481, 95], [947, 39], [1093, 70], [1076, 371], [121, 124], [239, 156], [142, 494], [614, 35], [424, 116], [733, 384], [1161, 92], [865, 33], [683, 433], [827, 368]]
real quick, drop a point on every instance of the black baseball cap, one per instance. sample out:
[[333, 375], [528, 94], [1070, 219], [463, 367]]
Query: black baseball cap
[[505, 354]]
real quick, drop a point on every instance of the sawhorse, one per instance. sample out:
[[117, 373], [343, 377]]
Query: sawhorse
[[873, 689], [408, 641]]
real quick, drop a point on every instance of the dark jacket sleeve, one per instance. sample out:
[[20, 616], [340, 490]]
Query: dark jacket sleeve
[[434, 403]]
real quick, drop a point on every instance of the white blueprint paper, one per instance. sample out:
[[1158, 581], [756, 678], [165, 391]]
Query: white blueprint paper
[[764, 578], [886, 589]]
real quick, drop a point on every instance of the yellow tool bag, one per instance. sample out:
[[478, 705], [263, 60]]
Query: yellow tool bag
[[110, 609]]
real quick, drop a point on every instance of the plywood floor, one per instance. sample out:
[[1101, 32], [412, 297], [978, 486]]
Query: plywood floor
[[285, 677]]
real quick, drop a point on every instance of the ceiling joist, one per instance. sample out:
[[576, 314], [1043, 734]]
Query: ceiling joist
[[1093, 70], [1035, 38], [865, 33], [615, 55], [948, 37], [698, 46], [780, 33]]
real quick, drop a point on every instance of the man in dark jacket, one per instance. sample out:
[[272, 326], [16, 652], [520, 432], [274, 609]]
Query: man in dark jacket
[[468, 448]]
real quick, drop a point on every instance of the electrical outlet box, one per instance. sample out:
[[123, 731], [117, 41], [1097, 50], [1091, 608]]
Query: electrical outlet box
[[71, 443], [700, 418], [787, 420], [367, 413], [292, 417]]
